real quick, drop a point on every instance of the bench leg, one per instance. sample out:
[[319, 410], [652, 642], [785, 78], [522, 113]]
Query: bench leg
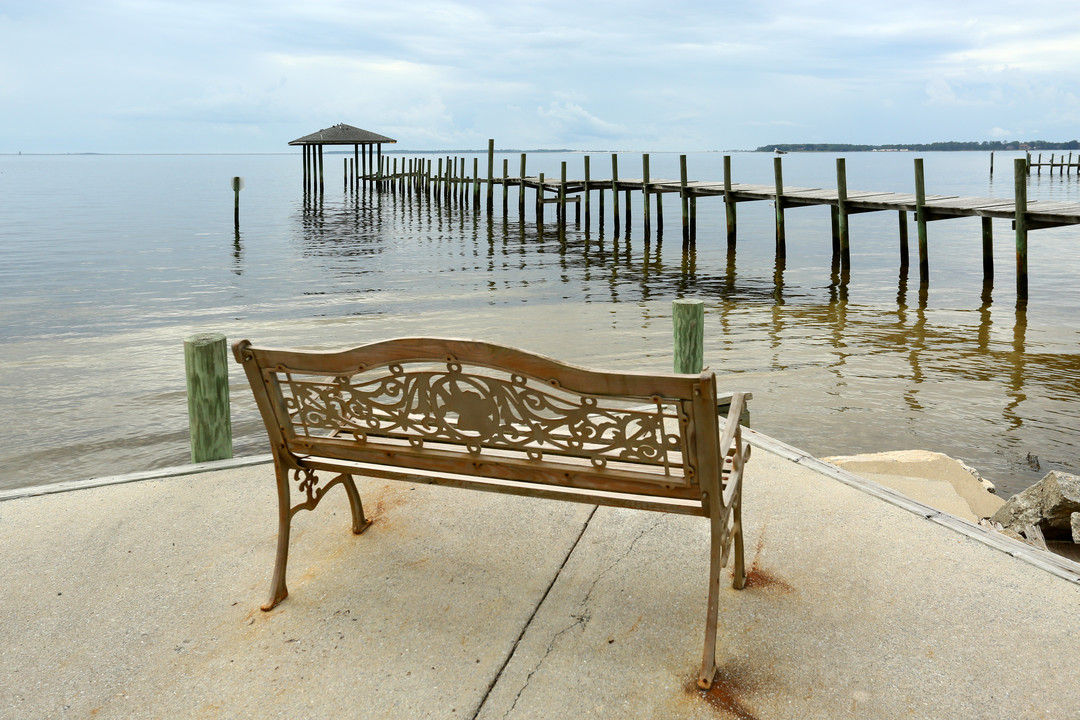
[[278, 591], [739, 581], [359, 522], [708, 659]]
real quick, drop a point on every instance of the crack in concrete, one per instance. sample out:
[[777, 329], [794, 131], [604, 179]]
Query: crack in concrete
[[528, 622], [581, 620]]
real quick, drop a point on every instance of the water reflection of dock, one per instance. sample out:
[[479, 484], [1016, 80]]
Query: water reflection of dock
[[449, 177]]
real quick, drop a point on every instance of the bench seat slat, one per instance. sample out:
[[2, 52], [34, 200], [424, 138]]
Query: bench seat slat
[[496, 464], [573, 494]]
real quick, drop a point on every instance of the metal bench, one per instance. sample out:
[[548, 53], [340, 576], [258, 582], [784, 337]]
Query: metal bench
[[475, 415]]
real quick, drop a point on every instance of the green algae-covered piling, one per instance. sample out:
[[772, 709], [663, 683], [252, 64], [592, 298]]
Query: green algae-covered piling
[[688, 323], [207, 369]]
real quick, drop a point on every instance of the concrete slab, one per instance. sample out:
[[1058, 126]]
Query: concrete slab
[[141, 601], [854, 609]]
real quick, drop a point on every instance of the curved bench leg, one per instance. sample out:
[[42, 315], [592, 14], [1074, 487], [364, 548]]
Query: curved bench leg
[[278, 591], [359, 522], [716, 562]]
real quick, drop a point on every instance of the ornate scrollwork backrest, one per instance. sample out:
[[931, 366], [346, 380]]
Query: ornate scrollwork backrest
[[437, 404]]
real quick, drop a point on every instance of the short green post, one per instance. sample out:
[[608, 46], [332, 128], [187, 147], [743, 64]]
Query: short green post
[[207, 370], [688, 321]]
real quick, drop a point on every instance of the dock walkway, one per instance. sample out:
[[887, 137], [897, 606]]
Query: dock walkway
[[140, 600], [450, 179]]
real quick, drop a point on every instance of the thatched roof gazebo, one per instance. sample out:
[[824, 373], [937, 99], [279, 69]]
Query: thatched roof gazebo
[[342, 134]]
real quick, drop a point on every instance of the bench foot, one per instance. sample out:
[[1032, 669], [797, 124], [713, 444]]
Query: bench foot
[[359, 522]]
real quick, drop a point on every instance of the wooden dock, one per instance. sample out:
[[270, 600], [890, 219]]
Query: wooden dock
[[451, 179]]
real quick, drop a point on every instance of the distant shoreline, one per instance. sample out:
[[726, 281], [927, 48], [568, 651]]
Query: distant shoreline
[[984, 146]]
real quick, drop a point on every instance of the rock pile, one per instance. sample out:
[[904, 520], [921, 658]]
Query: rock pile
[[1047, 514]]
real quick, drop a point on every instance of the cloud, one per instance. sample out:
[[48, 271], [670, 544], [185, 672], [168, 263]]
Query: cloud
[[574, 122]]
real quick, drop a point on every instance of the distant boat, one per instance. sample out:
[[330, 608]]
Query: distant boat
[[778, 151]]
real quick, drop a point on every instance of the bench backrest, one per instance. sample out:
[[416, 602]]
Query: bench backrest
[[460, 406]]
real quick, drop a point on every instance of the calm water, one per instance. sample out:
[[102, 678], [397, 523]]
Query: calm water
[[108, 262]]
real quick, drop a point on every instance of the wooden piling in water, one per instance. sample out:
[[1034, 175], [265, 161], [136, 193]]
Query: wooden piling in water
[[586, 192], [729, 203], [506, 187], [615, 193], [562, 199], [781, 234], [207, 370], [521, 188], [659, 216], [491, 175], [902, 228], [645, 192], [685, 200], [920, 220], [540, 201], [842, 212], [1020, 190], [321, 182], [688, 330], [988, 250]]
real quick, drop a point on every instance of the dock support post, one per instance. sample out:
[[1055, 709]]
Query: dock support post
[[521, 188], [988, 250], [476, 182], [920, 220], [659, 216], [506, 187], [491, 176], [688, 321], [615, 193], [729, 203], [902, 221], [834, 218], [842, 212], [684, 198], [540, 202], [321, 184], [645, 192], [600, 221], [585, 191], [207, 368], [1020, 186], [781, 235], [562, 200], [627, 211], [693, 219], [991, 163]]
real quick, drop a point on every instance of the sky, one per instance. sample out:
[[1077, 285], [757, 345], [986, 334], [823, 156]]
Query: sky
[[159, 76]]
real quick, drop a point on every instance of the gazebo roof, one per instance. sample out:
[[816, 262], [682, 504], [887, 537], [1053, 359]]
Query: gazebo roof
[[342, 134]]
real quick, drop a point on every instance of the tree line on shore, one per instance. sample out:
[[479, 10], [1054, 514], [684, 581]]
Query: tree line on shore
[[924, 147]]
